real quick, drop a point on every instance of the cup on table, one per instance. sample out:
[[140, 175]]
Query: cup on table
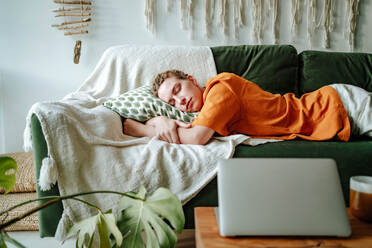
[[361, 197]]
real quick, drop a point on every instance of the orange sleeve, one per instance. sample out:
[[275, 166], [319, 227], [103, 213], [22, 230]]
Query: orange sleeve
[[220, 110]]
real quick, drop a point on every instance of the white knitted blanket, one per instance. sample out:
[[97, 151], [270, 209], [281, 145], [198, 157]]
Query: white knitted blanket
[[88, 150]]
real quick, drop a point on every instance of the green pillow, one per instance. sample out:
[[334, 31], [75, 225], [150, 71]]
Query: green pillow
[[141, 105]]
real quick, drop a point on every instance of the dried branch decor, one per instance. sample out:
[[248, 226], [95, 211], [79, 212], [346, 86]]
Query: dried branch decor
[[75, 20]]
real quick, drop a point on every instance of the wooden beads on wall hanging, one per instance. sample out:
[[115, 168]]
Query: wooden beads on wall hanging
[[76, 17]]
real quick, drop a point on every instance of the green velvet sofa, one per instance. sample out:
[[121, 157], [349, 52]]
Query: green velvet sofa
[[278, 69]]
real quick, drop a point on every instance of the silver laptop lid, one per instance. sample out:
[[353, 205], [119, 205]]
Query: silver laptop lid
[[281, 196]]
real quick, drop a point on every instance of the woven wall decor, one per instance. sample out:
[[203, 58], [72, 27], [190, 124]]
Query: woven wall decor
[[320, 17]]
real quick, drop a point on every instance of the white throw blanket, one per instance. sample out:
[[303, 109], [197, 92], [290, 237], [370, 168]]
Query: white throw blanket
[[88, 151]]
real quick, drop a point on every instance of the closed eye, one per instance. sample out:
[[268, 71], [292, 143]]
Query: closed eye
[[175, 91], [176, 88]]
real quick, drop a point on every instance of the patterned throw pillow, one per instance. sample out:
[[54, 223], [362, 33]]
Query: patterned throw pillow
[[141, 105]]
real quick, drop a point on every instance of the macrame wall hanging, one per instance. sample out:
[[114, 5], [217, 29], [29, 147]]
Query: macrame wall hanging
[[76, 17], [216, 18]]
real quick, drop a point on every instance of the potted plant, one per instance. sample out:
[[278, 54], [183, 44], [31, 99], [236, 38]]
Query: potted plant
[[143, 220]]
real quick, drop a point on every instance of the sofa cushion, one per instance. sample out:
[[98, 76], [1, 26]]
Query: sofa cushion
[[141, 105], [317, 69], [273, 68]]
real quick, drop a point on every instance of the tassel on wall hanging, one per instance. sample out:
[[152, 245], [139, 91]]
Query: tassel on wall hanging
[[328, 21], [76, 17], [238, 17], [257, 21], [295, 17], [275, 20], [352, 12], [222, 16], [186, 9], [312, 24], [150, 15], [210, 6], [169, 5]]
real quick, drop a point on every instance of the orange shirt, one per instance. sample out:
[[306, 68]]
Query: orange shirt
[[235, 105]]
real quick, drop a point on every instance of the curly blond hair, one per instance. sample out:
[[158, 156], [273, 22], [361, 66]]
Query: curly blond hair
[[159, 79]]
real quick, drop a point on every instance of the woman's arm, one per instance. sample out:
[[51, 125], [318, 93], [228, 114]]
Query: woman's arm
[[162, 127], [169, 130], [137, 129], [197, 135], [166, 129]]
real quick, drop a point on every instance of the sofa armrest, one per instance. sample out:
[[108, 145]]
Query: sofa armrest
[[49, 216]]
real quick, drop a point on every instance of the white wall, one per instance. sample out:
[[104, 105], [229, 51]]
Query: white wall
[[36, 60]]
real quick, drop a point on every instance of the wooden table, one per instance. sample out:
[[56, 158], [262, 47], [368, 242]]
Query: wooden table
[[207, 235]]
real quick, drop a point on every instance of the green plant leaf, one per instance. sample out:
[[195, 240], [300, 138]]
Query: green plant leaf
[[110, 223], [147, 215], [106, 225], [4, 237], [7, 181], [2, 241]]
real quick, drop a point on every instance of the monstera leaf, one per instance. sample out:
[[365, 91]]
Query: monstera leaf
[[146, 215], [106, 225], [7, 181]]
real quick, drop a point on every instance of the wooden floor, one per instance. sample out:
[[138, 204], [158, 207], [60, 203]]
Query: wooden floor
[[186, 239]]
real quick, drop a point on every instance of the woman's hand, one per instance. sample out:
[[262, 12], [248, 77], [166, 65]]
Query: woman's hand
[[137, 129], [166, 129]]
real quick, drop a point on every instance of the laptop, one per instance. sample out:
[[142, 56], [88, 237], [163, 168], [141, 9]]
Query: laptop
[[280, 197]]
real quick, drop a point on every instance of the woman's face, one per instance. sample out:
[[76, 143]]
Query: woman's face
[[184, 94]]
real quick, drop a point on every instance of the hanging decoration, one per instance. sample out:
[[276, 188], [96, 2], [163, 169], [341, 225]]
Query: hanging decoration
[[257, 20], [352, 12], [222, 16], [238, 17], [328, 21], [312, 24], [295, 17], [169, 5], [150, 16], [275, 20], [264, 13], [75, 20], [187, 16], [210, 6]]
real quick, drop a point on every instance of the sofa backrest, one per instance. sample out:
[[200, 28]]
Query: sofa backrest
[[317, 69], [272, 67]]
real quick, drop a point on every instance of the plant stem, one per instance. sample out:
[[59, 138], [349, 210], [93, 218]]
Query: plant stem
[[88, 203], [68, 197], [31, 211], [55, 199]]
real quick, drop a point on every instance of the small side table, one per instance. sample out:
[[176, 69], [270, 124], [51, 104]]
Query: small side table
[[207, 235]]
